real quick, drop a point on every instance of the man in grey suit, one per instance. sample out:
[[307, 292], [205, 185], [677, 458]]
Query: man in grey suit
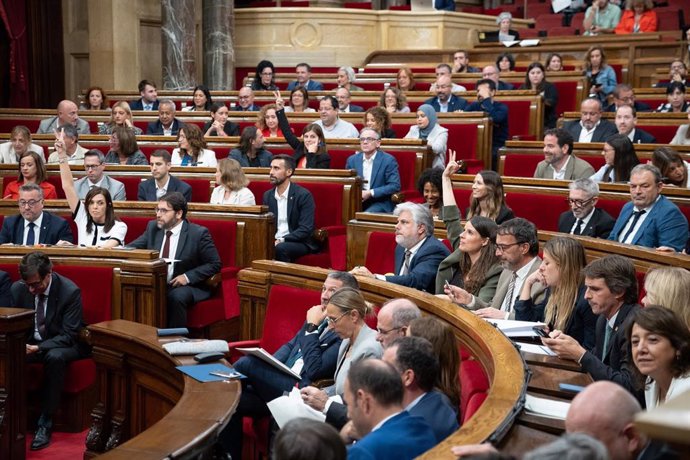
[[559, 162], [517, 245], [590, 128], [67, 114], [94, 164]]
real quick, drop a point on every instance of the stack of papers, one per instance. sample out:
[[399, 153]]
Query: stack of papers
[[193, 347], [291, 406], [546, 407]]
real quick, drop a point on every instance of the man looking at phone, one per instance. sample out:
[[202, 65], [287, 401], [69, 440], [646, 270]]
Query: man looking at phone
[[601, 18]]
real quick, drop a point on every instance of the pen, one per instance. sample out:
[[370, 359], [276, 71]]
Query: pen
[[221, 374]]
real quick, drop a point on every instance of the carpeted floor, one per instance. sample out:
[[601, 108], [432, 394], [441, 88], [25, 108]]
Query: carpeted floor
[[63, 446]]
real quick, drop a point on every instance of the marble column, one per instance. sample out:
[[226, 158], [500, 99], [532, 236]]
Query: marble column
[[219, 53], [178, 40]]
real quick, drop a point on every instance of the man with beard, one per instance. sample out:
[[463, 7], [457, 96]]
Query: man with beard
[[590, 128], [559, 162], [189, 251], [461, 63], [445, 100], [294, 208]]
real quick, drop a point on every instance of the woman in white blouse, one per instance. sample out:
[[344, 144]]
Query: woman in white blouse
[[192, 150], [232, 185]]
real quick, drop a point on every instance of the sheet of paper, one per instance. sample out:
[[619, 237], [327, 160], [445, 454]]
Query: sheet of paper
[[513, 328], [269, 359], [193, 347], [536, 349], [546, 407], [286, 408], [509, 43], [529, 42], [560, 5]]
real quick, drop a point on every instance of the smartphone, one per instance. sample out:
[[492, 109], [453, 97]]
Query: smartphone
[[446, 285], [540, 331], [570, 387]]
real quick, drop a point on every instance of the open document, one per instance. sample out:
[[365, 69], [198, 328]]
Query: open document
[[515, 328], [285, 408], [268, 358], [546, 407]]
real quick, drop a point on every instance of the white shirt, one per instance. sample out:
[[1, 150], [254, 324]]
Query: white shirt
[[585, 221], [241, 197], [638, 224], [282, 227], [37, 336], [585, 135], [160, 191], [207, 158], [84, 238], [380, 424], [168, 131], [415, 402], [631, 135], [174, 238], [367, 167], [8, 155], [560, 175], [37, 229]]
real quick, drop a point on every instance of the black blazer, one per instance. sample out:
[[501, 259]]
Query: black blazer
[[301, 211], [53, 229], [147, 189], [602, 132], [550, 103], [643, 137], [599, 226], [320, 161], [230, 128], [155, 128], [139, 105], [454, 103], [196, 255], [639, 107], [504, 214], [5, 290]]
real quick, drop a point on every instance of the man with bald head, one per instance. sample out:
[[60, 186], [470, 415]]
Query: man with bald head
[[491, 72], [393, 320], [445, 100], [590, 128], [67, 114]]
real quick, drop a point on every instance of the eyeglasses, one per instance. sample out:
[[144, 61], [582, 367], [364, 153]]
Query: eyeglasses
[[505, 247], [579, 203], [90, 167], [243, 97], [386, 332], [29, 203], [368, 139], [333, 321], [162, 210], [35, 284]]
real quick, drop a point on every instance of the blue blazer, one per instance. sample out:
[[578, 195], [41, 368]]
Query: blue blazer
[[301, 209], [319, 352], [454, 103], [423, 266], [311, 85], [147, 189], [435, 408], [356, 108], [139, 105], [402, 437], [385, 180], [53, 229], [664, 226], [155, 128]]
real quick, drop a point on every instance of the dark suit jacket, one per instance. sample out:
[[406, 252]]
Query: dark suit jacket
[[139, 105], [643, 137], [230, 128], [639, 107], [155, 128], [301, 211], [385, 178], [402, 436], [488, 37], [320, 161], [504, 86], [263, 157], [435, 408], [5, 290], [602, 132], [454, 103], [196, 255], [53, 229], [599, 226], [498, 112], [147, 189], [311, 85], [423, 267], [251, 108], [356, 108]]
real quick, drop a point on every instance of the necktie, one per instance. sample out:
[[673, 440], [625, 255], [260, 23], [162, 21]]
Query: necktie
[[578, 227], [635, 217], [40, 315], [31, 235], [406, 264], [95, 234], [509, 299], [166, 245], [607, 337]]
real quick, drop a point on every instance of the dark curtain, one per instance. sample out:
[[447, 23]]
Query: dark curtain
[[46, 52], [15, 77]]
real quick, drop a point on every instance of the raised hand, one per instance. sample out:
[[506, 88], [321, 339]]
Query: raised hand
[[280, 102]]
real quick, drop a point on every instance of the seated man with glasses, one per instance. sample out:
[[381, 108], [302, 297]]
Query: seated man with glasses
[[245, 99], [623, 94], [379, 171], [34, 225], [94, 165], [584, 218]]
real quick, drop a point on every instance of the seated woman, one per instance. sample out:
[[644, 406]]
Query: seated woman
[[120, 116], [670, 288], [250, 152], [639, 16], [18, 145], [660, 344], [429, 185], [377, 118], [564, 307], [554, 63], [346, 79], [267, 121], [32, 169], [192, 149], [436, 136], [682, 136], [405, 79], [232, 185], [488, 198], [535, 79], [602, 77], [394, 101], [311, 151], [619, 154], [97, 224], [201, 100], [219, 124], [264, 78], [96, 99], [124, 149], [505, 62], [299, 101], [675, 93], [504, 32], [674, 169]]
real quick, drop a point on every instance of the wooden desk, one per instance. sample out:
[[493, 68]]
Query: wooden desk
[[545, 381], [148, 409], [15, 324]]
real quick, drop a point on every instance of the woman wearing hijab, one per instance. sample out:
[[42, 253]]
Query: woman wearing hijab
[[436, 136]]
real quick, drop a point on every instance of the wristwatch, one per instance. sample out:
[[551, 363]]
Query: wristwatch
[[311, 327]]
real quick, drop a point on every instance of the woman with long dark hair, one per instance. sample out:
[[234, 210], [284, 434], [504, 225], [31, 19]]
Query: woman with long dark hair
[[201, 100], [674, 169], [311, 151], [219, 125], [619, 154], [192, 149], [535, 79], [264, 78], [488, 198], [32, 169]]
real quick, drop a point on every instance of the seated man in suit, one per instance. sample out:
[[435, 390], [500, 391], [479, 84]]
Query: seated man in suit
[[167, 124], [34, 225], [245, 101], [584, 218], [623, 94], [149, 97], [303, 73], [331, 124], [344, 97], [162, 181], [312, 353], [393, 320], [559, 162], [517, 245], [419, 367], [650, 219], [374, 396], [54, 338], [189, 251], [417, 254], [294, 209], [491, 72], [378, 170], [591, 127], [445, 100], [626, 122], [497, 111], [67, 114], [94, 164], [75, 151]]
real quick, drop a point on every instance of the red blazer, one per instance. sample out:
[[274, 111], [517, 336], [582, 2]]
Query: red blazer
[[647, 22], [12, 190]]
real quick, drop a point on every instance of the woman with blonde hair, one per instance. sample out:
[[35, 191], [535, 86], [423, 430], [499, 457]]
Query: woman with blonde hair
[[405, 79], [564, 307], [120, 116], [231, 185], [670, 288], [192, 149]]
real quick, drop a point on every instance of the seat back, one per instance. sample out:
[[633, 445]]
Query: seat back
[[286, 310], [380, 248], [96, 285], [224, 234]]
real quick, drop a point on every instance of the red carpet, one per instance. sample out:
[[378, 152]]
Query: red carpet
[[63, 446]]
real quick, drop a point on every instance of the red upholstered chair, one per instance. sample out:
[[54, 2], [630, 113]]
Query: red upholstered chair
[[380, 252], [663, 133], [518, 118], [131, 184], [473, 382], [201, 190], [567, 96], [136, 226], [520, 165], [542, 210]]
